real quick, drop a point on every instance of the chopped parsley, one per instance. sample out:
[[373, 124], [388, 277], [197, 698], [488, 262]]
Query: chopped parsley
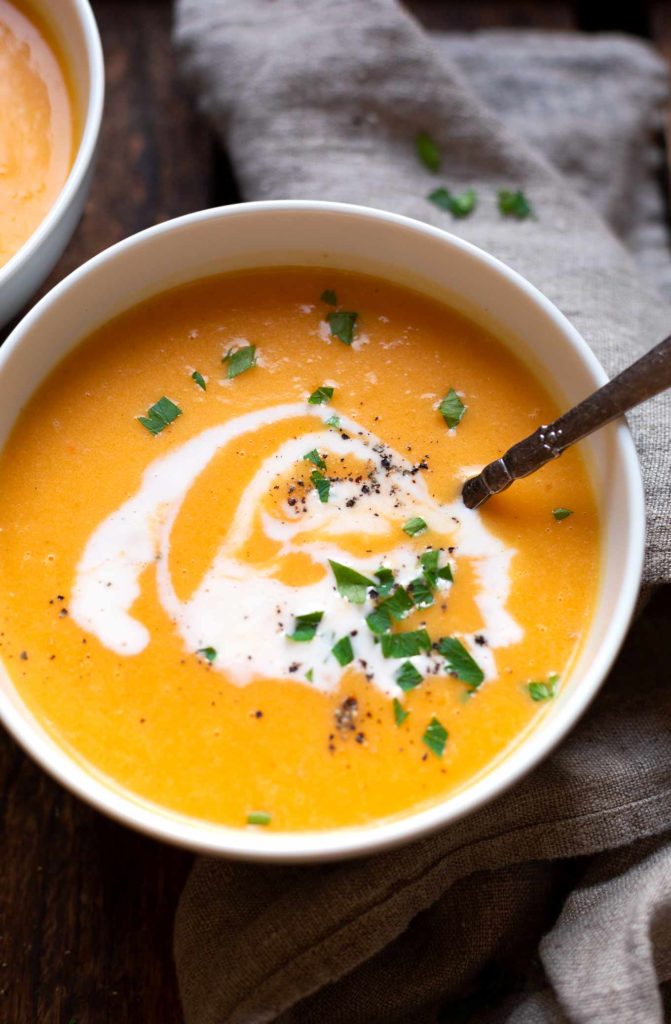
[[385, 578], [321, 395], [399, 604], [514, 204], [561, 513], [315, 458], [342, 325], [329, 297], [435, 737], [544, 691], [432, 573], [259, 818], [199, 379], [209, 653], [322, 484], [240, 360], [408, 677], [405, 645], [342, 651], [379, 621], [452, 408], [415, 526], [428, 152], [305, 626], [421, 592], [400, 714], [461, 662], [350, 583], [160, 415], [333, 421], [459, 205], [310, 674]]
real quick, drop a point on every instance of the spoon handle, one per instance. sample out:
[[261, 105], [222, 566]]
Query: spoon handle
[[642, 380]]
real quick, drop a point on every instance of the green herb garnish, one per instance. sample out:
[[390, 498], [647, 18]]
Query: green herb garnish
[[160, 415], [310, 674], [544, 691], [385, 578], [435, 737], [405, 645], [342, 325], [561, 513], [199, 379], [459, 205], [379, 621], [460, 661], [259, 818], [514, 204], [239, 361], [428, 151], [421, 592], [209, 653], [329, 297], [415, 526], [342, 651], [399, 604], [400, 714], [305, 626], [432, 573], [452, 408], [323, 485], [321, 395], [332, 421], [408, 677], [315, 458], [350, 583]]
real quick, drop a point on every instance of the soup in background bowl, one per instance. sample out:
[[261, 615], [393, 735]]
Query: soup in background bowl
[[243, 605], [51, 88]]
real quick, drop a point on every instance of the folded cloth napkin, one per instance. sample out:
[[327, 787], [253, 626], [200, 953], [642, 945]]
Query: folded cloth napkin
[[554, 902]]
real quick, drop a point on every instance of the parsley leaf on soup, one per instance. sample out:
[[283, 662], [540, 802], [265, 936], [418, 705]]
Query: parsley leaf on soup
[[544, 691], [209, 653], [400, 714], [321, 395], [239, 361], [452, 408], [329, 297], [342, 325], [350, 583], [322, 485], [414, 526], [460, 661], [514, 204], [199, 379], [561, 513], [160, 415], [305, 626], [405, 645], [428, 152], [435, 737], [407, 676], [315, 458], [342, 651]]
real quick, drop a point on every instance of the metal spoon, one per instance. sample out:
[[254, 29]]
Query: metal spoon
[[642, 380]]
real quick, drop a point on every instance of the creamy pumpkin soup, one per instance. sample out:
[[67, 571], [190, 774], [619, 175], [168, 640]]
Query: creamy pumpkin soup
[[37, 131], [237, 577]]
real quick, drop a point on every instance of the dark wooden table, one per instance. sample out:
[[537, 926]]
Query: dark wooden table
[[86, 906]]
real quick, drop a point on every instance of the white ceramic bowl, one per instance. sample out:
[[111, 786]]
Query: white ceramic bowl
[[401, 250], [76, 33]]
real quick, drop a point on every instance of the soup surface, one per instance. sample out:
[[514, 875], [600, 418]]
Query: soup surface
[[37, 132], [236, 574]]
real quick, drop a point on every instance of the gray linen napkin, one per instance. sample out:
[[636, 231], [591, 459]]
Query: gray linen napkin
[[322, 99]]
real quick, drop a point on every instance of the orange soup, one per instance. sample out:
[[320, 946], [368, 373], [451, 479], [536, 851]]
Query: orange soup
[[37, 132], [237, 577]]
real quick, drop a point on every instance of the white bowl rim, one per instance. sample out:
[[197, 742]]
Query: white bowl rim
[[351, 841], [85, 151]]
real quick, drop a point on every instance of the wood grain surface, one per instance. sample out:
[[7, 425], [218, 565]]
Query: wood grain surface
[[86, 906]]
